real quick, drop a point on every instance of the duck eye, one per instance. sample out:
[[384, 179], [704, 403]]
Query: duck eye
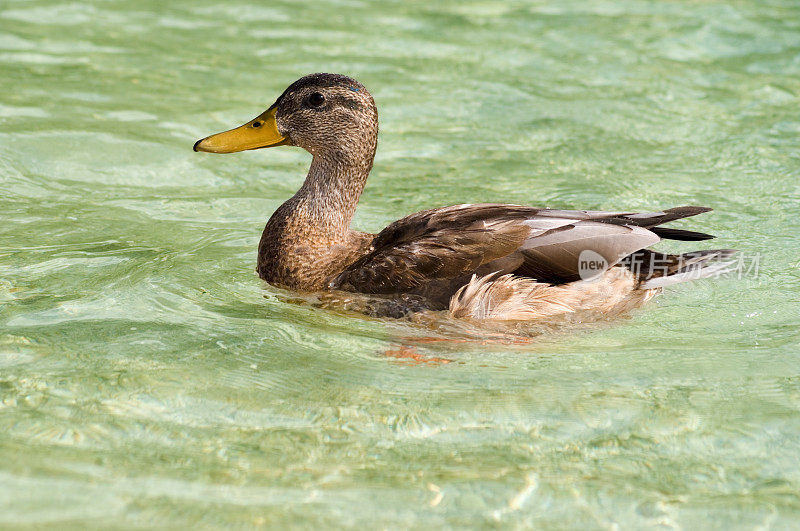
[[256, 124], [316, 99]]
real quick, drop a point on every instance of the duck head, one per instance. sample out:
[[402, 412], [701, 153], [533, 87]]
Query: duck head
[[332, 116]]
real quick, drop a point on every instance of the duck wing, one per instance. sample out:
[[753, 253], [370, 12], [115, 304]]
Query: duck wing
[[452, 242]]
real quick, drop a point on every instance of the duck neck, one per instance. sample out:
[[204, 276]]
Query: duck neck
[[329, 196], [320, 212]]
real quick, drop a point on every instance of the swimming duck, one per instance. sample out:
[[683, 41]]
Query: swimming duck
[[479, 261]]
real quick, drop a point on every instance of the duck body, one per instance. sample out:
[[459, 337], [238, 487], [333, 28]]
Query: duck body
[[480, 261]]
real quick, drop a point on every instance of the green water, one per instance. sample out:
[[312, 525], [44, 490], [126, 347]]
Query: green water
[[148, 378]]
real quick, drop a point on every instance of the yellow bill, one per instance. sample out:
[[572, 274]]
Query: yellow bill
[[258, 133]]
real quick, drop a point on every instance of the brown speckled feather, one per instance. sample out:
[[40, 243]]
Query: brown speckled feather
[[436, 244]]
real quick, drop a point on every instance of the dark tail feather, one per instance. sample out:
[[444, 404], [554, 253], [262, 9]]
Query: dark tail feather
[[684, 212], [682, 235], [652, 219]]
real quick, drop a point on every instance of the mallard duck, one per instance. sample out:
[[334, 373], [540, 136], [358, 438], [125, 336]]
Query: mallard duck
[[479, 261]]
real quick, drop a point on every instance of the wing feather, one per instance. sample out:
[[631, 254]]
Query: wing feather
[[454, 242]]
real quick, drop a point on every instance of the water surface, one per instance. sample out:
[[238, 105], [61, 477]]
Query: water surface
[[148, 378]]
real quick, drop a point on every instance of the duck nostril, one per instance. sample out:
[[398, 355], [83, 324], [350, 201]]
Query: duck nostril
[[256, 124]]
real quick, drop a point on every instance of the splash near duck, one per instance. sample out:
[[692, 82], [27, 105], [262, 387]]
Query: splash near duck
[[479, 261]]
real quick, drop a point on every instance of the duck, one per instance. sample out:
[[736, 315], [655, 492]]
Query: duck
[[485, 261]]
